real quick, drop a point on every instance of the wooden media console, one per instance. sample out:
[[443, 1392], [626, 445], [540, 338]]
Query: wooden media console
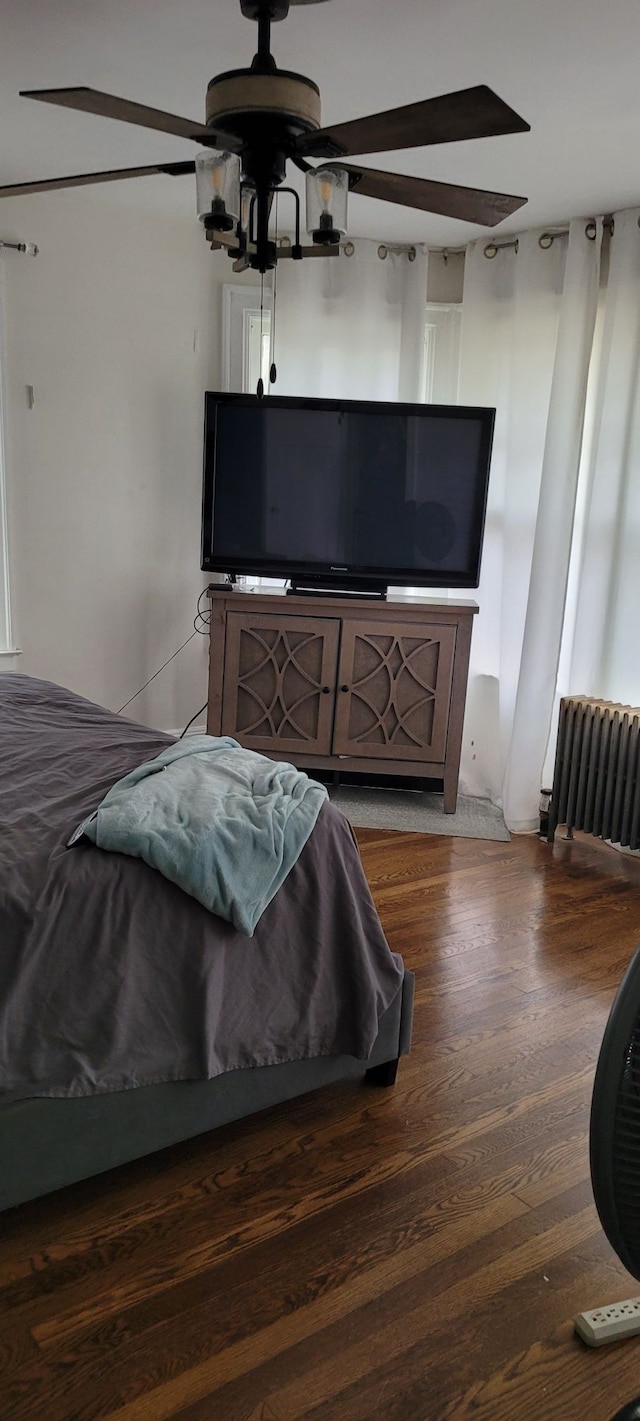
[[342, 683]]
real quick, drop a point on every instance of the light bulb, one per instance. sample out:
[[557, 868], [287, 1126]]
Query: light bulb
[[217, 176]]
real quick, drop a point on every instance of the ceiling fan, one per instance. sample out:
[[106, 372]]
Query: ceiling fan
[[260, 118]]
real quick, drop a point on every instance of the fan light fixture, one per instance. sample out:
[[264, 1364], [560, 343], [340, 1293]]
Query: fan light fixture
[[327, 190], [267, 113], [228, 205], [261, 118], [218, 180]]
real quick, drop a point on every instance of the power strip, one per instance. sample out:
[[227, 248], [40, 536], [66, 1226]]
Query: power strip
[[609, 1324]]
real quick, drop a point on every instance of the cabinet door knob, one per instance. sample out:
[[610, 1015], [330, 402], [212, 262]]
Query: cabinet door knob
[[325, 690], [344, 688]]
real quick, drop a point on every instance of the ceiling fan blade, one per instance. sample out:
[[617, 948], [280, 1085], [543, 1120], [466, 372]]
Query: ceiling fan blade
[[83, 179], [108, 106], [468, 113], [466, 203]]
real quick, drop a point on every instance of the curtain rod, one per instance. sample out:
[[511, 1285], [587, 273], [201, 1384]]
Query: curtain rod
[[546, 239], [398, 248], [29, 248], [446, 252]]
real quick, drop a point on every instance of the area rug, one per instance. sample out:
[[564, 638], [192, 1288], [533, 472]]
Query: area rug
[[417, 812]]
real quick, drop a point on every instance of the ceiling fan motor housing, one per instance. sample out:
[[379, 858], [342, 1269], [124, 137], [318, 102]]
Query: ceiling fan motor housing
[[266, 113], [273, 9]]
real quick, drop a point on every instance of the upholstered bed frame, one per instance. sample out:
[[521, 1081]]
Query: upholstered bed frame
[[46, 1144]]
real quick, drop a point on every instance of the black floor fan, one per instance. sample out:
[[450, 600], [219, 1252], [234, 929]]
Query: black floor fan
[[615, 1144]]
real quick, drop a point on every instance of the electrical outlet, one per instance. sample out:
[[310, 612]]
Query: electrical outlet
[[609, 1324]]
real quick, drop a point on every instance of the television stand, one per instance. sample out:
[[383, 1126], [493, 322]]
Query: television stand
[[340, 683], [321, 587]]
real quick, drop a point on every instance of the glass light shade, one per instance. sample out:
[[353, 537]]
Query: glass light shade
[[327, 190], [218, 189]]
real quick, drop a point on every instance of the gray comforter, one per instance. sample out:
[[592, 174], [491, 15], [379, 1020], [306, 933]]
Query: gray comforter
[[111, 977]]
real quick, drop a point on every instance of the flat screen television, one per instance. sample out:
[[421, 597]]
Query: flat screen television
[[346, 495]]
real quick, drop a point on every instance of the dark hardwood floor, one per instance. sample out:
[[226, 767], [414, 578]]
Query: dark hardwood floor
[[411, 1254]]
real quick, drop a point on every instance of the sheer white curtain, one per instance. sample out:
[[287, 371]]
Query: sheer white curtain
[[352, 327], [541, 334], [600, 651], [527, 334]]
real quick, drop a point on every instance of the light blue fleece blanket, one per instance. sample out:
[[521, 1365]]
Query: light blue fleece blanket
[[224, 823]]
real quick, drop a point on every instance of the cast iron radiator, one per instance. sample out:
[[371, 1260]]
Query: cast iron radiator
[[596, 779]]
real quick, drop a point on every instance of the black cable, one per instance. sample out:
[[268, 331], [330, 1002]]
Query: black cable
[[202, 620], [200, 617], [202, 594], [194, 717], [156, 673]]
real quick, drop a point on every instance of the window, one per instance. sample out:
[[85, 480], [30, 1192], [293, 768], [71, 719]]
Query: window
[[442, 353], [247, 335], [246, 355], [256, 345], [246, 339]]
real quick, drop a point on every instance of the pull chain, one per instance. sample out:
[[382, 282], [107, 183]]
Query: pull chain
[[272, 368], [260, 385]]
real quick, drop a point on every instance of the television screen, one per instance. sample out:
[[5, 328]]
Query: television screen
[[345, 492]]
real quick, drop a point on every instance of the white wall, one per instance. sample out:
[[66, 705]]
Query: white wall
[[104, 472]]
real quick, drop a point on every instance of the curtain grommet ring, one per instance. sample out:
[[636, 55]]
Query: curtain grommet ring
[[492, 248]]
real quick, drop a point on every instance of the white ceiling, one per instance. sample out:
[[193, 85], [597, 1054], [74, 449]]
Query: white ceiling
[[570, 67]]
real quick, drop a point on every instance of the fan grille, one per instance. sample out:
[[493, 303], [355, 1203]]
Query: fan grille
[[615, 1122], [626, 1150]]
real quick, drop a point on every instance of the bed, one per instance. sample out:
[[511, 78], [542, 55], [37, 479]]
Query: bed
[[131, 1017]]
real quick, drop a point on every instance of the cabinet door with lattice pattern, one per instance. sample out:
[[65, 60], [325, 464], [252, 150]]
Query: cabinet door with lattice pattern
[[279, 682], [394, 685]]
